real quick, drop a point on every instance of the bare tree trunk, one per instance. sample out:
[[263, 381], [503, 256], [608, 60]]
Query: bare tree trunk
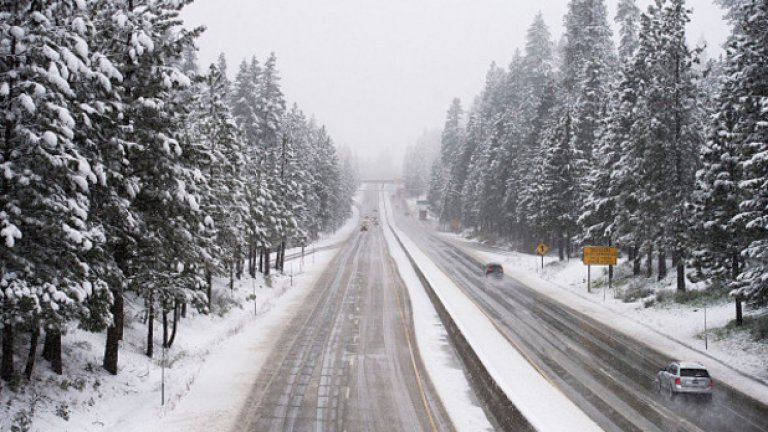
[[636, 260], [739, 315], [261, 260], [32, 348], [560, 248], [239, 263], [735, 267], [649, 262], [53, 339], [114, 334], [266, 261], [662, 258], [184, 309], [209, 287], [680, 275], [231, 280], [251, 251], [175, 324], [165, 325], [150, 328], [6, 370]]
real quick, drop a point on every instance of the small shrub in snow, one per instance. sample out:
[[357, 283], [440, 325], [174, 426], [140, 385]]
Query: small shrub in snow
[[760, 327], [62, 410], [22, 421], [635, 293], [223, 303]]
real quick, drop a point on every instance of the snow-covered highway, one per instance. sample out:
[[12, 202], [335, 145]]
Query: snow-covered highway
[[348, 360], [605, 373]]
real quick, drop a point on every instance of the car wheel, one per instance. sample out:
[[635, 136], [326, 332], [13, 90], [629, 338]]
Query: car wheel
[[671, 393]]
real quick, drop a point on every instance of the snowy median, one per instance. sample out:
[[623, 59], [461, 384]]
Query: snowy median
[[542, 404], [432, 340]]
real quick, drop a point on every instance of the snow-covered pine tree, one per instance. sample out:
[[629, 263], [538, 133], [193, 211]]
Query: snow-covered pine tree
[[244, 108], [628, 18], [270, 108], [589, 62], [159, 255], [48, 240], [749, 79], [223, 197], [663, 145], [450, 178], [559, 208]]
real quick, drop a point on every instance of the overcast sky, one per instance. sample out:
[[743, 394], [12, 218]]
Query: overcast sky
[[378, 72]]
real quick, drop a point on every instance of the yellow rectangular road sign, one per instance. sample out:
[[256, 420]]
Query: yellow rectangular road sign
[[600, 255]]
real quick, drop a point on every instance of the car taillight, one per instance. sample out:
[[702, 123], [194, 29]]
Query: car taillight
[[711, 382], [677, 381]]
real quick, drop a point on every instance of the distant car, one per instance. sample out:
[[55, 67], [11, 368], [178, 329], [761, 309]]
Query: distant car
[[494, 269], [687, 378]]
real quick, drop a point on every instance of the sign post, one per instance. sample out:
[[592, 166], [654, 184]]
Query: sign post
[[542, 249], [599, 255]]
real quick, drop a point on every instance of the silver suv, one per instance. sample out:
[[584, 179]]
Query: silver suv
[[685, 378]]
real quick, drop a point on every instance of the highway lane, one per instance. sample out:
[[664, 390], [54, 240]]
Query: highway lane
[[607, 374], [348, 359]]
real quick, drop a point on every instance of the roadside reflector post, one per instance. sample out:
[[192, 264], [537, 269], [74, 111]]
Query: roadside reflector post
[[589, 276]]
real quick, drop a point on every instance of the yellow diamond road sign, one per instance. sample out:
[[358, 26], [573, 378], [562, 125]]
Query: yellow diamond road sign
[[542, 248]]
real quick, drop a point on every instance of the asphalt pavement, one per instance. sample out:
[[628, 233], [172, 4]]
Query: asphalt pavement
[[348, 360]]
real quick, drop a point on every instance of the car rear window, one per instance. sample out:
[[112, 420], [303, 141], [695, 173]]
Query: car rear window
[[694, 373]]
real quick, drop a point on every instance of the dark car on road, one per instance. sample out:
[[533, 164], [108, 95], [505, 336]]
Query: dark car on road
[[494, 269]]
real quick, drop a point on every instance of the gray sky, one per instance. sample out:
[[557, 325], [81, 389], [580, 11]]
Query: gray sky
[[378, 72]]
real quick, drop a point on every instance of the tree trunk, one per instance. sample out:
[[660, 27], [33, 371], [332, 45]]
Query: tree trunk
[[266, 261], [735, 261], [649, 262], [636, 260], [680, 274], [32, 348], [165, 325], [184, 309], [47, 346], [662, 264], [175, 324], [6, 370], [209, 287], [150, 328], [739, 315], [239, 264], [114, 334], [53, 339], [561, 248], [231, 280], [261, 260]]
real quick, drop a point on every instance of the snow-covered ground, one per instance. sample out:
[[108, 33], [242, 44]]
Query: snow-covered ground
[[432, 339], [535, 397], [209, 368], [676, 329]]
